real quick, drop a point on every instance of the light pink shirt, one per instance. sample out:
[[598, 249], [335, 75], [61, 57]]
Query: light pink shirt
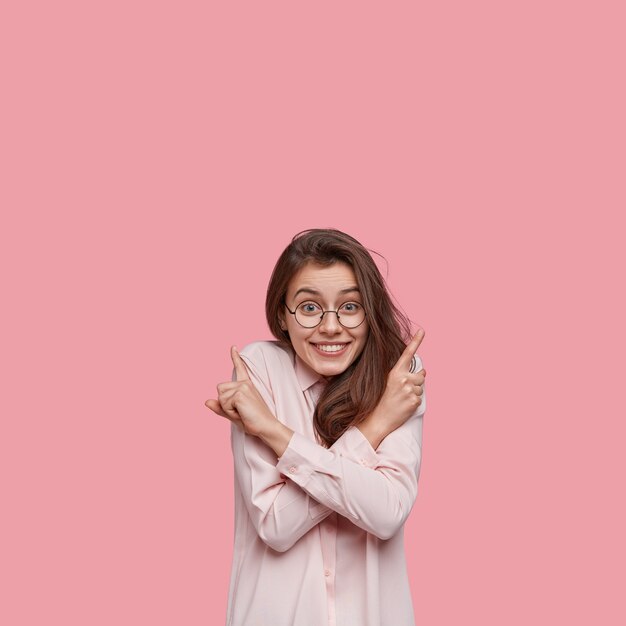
[[319, 533]]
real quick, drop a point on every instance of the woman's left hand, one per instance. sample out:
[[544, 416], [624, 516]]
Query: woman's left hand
[[241, 402]]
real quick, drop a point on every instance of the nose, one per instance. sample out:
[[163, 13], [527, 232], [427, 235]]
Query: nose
[[330, 323]]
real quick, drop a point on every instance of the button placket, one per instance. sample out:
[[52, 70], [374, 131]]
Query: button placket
[[328, 536]]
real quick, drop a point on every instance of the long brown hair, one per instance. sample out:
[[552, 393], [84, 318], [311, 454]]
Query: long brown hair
[[352, 395]]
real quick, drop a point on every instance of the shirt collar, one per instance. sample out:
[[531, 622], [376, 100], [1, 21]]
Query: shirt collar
[[307, 377]]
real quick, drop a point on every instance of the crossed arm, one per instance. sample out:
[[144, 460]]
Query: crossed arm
[[285, 498]]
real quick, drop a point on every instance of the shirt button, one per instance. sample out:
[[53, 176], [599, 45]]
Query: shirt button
[[362, 461], [292, 469], [326, 572]]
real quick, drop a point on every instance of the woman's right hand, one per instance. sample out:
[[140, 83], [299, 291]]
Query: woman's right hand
[[403, 393], [241, 402]]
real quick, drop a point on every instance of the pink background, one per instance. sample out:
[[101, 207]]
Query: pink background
[[156, 157]]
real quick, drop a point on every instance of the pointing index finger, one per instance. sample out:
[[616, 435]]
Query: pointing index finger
[[240, 367], [405, 359]]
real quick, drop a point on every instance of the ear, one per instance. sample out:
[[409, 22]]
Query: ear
[[282, 315], [281, 321]]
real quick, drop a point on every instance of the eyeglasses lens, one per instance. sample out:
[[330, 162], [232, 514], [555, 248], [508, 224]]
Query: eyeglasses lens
[[350, 314]]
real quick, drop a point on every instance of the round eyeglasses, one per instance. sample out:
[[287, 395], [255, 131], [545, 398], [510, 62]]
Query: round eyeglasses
[[310, 314]]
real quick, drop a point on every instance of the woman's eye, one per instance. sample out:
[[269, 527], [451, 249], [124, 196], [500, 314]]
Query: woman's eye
[[309, 307], [351, 307]]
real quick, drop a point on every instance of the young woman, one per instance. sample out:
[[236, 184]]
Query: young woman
[[326, 433]]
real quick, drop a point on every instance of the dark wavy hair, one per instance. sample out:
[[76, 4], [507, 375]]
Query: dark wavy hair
[[352, 395]]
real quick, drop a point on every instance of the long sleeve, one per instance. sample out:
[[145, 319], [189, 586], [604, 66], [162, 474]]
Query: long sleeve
[[280, 510], [375, 490]]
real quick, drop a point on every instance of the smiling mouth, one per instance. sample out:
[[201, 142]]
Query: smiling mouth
[[330, 348]]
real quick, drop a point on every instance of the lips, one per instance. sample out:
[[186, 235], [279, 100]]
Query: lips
[[330, 343]]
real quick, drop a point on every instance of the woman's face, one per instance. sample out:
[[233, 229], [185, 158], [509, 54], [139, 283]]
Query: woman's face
[[329, 287]]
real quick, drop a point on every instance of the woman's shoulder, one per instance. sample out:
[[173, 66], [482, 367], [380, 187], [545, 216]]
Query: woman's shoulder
[[266, 354]]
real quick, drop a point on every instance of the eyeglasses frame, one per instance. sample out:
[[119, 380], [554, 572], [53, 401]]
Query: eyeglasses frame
[[336, 312]]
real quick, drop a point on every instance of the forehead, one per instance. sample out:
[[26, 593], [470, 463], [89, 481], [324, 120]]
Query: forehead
[[328, 280]]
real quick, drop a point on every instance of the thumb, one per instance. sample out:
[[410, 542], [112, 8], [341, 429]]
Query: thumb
[[215, 406]]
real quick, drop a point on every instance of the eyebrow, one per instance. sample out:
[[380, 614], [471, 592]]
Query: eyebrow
[[317, 293]]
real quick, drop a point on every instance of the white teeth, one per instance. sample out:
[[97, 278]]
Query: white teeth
[[333, 348]]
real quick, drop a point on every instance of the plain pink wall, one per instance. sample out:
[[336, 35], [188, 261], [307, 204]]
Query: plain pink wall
[[156, 157]]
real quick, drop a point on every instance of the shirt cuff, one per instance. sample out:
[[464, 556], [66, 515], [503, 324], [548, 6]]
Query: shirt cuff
[[355, 445], [302, 456]]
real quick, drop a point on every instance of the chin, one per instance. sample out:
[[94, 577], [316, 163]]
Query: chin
[[331, 369]]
